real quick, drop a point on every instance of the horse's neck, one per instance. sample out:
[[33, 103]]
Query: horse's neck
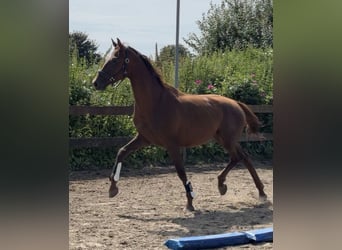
[[147, 92]]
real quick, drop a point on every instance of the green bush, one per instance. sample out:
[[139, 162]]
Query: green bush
[[247, 92], [79, 74], [227, 73], [234, 24]]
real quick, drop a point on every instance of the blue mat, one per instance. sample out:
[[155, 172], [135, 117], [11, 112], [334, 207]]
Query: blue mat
[[221, 240]]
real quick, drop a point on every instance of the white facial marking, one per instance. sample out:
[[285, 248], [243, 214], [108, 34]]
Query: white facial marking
[[109, 55], [117, 172]]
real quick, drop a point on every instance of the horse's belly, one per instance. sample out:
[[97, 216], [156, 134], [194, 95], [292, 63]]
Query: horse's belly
[[198, 131], [191, 138]]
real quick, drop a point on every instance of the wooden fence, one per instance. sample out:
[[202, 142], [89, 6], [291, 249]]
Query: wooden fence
[[128, 110]]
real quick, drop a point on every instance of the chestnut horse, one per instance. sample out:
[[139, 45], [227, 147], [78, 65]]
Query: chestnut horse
[[167, 117]]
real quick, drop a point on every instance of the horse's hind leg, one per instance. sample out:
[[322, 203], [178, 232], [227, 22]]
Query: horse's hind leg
[[177, 158], [248, 163]]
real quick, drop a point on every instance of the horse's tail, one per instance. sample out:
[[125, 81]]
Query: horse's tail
[[252, 120]]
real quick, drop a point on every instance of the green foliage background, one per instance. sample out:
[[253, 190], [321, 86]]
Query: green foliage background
[[234, 24]]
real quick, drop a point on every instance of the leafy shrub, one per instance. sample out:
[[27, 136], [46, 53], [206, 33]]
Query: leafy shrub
[[79, 77], [234, 24], [247, 92], [225, 73]]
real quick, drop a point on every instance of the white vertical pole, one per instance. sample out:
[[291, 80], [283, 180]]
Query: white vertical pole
[[177, 45]]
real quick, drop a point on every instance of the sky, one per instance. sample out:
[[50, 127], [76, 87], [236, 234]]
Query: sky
[[139, 24]]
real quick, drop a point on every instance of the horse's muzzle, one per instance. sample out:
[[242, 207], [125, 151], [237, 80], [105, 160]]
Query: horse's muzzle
[[97, 85]]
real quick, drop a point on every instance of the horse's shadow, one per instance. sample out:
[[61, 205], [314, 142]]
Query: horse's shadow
[[210, 221]]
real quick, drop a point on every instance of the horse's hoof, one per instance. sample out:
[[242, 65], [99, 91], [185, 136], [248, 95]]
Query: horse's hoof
[[113, 190], [263, 198], [223, 189], [190, 208]]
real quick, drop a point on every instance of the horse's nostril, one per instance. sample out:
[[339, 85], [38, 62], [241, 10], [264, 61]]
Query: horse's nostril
[[95, 84]]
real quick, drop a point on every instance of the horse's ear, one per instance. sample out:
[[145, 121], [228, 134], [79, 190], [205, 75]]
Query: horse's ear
[[114, 43], [119, 42]]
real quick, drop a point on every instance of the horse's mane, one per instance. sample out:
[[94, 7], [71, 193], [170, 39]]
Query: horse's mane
[[155, 72]]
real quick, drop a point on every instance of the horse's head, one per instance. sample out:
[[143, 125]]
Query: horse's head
[[114, 68]]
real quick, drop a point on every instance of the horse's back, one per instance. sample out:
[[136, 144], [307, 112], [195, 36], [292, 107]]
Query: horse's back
[[214, 105]]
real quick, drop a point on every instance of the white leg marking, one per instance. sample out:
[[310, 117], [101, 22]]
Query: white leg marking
[[117, 172], [192, 193]]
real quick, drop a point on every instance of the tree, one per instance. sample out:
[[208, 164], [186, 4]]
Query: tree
[[168, 53], [84, 47], [234, 24]]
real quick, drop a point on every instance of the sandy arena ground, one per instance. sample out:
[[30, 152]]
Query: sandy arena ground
[[149, 208]]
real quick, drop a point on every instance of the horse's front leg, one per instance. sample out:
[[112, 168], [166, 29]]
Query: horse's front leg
[[177, 158], [137, 142]]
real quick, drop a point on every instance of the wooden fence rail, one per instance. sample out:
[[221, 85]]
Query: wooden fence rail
[[128, 110]]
